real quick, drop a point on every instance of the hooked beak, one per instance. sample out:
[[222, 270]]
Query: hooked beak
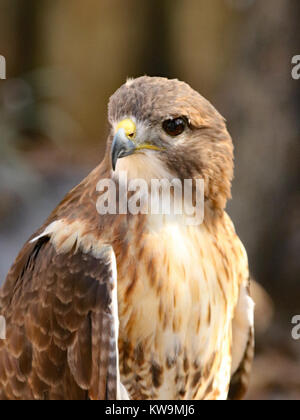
[[125, 144], [122, 146]]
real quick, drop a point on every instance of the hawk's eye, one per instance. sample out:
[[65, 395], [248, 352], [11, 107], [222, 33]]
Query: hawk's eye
[[174, 127]]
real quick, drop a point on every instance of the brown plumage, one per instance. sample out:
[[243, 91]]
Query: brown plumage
[[180, 292]]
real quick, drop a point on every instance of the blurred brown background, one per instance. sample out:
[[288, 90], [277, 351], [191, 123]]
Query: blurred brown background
[[65, 58]]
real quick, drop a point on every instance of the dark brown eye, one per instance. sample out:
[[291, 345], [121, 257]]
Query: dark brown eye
[[174, 127]]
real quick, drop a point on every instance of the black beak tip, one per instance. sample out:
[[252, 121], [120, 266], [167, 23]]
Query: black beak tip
[[121, 147], [114, 159]]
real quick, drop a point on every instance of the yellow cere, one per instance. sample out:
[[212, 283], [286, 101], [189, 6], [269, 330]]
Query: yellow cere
[[129, 128]]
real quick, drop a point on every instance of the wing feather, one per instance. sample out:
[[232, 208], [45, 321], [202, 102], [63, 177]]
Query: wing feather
[[243, 345], [241, 378], [61, 337]]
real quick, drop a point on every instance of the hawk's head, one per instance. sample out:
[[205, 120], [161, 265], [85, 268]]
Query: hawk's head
[[163, 128]]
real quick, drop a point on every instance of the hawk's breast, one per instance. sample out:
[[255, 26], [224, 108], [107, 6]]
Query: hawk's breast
[[177, 293]]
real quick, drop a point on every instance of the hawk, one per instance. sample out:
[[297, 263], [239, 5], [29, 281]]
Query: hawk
[[119, 306]]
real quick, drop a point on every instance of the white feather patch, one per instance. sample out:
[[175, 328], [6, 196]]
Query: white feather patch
[[242, 322], [121, 391], [48, 231], [65, 235]]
